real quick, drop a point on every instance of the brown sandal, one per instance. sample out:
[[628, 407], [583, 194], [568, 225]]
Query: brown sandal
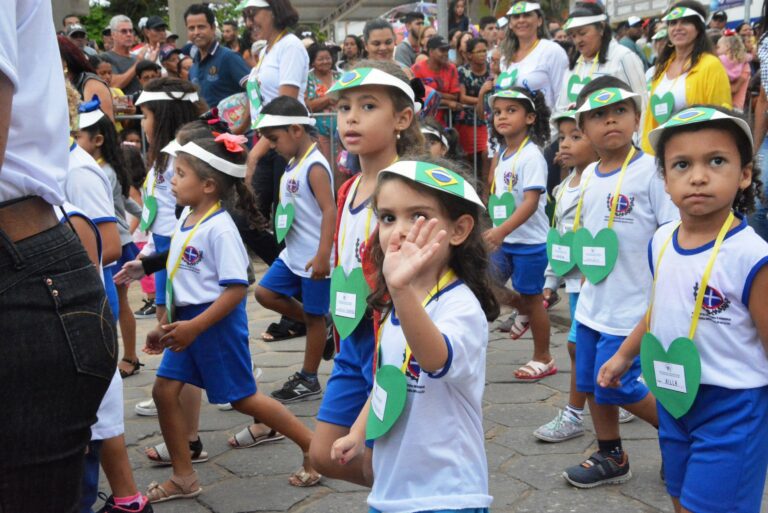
[[186, 488]]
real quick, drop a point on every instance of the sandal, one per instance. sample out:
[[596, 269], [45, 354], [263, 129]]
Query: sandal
[[534, 370], [303, 479], [163, 458], [136, 368], [519, 326], [245, 439], [185, 488], [554, 299], [284, 330]]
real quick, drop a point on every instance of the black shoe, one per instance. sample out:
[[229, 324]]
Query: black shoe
[[330, 343], [148, 310], [598, 470], [111, 507], [298, 388]]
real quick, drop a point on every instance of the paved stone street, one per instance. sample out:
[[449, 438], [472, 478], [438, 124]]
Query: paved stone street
[[525, 474]]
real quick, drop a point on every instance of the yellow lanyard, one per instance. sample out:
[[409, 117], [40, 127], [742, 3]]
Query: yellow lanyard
[[208, 214], [521, 59], [146, 183], [615, 200], [301, 161], [444, 281], [559, 197], [576, 221], [100, 161], [514, 165], [704, 279], [592, 69]]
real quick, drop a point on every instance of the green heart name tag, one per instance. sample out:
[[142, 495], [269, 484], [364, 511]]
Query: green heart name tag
[[559, 251], [283, 220], [674, 375], [501, 207], [148, 213], [387, 401], [348, 299], [596, 256], [253, 91], [662, 106], [575, 85], [507, 79]]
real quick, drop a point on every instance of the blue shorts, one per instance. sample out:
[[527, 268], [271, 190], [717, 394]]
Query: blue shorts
[[525, 263], [573, 300], [351, 380], [218, 360], [466, 510], [593, 349], [315, 294], [130, 252], [716, 454], [110, 290], [162, 244]]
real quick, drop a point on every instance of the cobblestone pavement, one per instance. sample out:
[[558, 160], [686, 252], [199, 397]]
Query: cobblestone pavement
[[525, 474]]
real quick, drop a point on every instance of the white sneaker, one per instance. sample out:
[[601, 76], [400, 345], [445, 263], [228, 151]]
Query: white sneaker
[[146, 408], [625, 416], [561, 428]]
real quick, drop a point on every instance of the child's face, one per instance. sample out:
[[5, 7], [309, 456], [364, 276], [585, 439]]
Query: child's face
[[435, 147], [399, 205], [105, 72], [575, 149], [368, 121], [148, 75], [703, 171], [148, 124], [283, 141], [133, 138], [611, 127], [510, 117], [89, 143], [186, 185]]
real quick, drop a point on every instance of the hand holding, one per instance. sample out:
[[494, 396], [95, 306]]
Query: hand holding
[[131, 271], [179, 335]]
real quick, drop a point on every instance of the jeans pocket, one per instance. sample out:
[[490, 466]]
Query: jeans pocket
[[87, 320]]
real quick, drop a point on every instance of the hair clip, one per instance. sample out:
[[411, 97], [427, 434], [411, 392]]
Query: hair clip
[[233, 143], [90, 106], [729, 32], [533, 92]]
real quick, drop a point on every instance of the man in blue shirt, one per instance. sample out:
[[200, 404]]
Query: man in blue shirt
[[216, 70]]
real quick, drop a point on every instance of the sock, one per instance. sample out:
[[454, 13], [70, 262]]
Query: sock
[[575, 413], [611, 448], [136, 499], [309, 376]]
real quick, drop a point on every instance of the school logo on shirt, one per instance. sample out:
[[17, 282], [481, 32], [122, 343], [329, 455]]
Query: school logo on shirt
[[509, 175], [359, 250], [714, 304], [413, 369], [191, 256], [213, 70], [292, 185], [623, 207], [159, 178]]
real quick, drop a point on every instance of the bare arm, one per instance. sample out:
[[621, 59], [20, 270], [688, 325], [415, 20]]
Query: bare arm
[[96, 88], [87, 238], [465, 98], [758, 306], [110, 243], [612, 370], [320, 181]]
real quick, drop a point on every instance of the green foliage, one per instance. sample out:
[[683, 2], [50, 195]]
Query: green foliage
[[94, 23]]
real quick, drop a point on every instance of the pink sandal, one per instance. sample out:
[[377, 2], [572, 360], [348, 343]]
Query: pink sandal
[[534, 370], [519, 327]]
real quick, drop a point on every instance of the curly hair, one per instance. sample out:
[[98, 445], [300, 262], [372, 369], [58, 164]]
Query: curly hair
[[746, 199], [539, 131], [233, 192], [470, 261]]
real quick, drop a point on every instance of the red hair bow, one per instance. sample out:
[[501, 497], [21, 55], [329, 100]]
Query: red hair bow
[[233, 143], [729, 32]]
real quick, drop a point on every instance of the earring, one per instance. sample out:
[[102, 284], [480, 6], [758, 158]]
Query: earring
[[397, 135]]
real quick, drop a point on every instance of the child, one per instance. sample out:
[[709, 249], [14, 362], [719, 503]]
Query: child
[[97, 136], [716, 449], [167, 103], [516, 205], [735, 59], [624, 202], [306, 225], [377, 121], [441, 142], [207, 341], [433, 285]]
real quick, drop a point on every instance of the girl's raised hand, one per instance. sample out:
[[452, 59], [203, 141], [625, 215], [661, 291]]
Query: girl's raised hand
[[404, 260]]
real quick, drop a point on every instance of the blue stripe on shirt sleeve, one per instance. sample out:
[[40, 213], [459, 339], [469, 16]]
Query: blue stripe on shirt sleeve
[[224, 283], [650, 255], [750, 278], [99, 220], [442, 372]]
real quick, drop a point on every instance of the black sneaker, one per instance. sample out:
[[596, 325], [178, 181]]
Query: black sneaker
[[298, 388], [148, 310], [111, 507], [598, 470]]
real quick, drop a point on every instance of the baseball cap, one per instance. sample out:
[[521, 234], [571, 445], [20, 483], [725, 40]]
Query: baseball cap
[[437, 42], [155, 22], [634, 20], [166, 51], [720, 15], [107, 31], [75, 28]]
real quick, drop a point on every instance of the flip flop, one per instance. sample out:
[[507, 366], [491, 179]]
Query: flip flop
[[534, 370], [245, 439]]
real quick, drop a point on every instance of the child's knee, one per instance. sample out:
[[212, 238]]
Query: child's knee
[[163, 391], [265, 297]]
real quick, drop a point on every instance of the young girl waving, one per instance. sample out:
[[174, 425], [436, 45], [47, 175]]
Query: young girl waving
[[516, 204], [377, 121], [207, 342], [305, 218], [709, 267], [624, 202], [433, 287]]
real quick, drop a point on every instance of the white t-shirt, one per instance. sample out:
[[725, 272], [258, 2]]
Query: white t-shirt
[[159, 185], [88, 187], [732, 355], [303, 239], [616, 304], [524, 173], [352, 230], [677, 87], [543, 69], [433, 458], [214, 258], [286, 63], [621, 63], [72, 211], [36, 155], [567, 200]]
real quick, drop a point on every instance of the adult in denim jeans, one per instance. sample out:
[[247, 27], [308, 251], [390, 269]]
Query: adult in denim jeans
[[58, 344]]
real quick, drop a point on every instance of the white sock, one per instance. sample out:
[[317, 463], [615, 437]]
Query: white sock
[[575, 414]]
